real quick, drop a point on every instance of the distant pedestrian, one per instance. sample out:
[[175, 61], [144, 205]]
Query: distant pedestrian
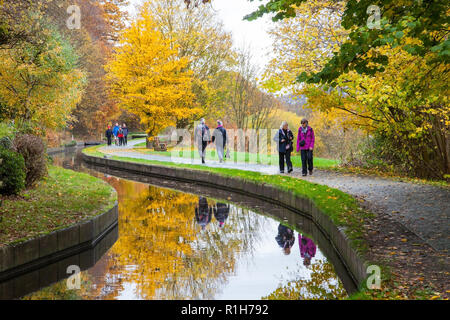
[[125, 134], [120, 136], [220, 138], [109, 135], [202, 138], [115, 133], [284, 139], [305, 144]]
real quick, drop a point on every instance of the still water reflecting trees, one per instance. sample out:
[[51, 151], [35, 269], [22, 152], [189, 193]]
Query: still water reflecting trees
[[174, 245]]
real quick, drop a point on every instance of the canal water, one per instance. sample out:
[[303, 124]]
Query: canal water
[[181, 241]]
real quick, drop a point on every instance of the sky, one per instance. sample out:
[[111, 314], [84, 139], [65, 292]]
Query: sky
[[251, 34]]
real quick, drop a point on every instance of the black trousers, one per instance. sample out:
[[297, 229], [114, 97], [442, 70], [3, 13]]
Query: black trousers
[[282, 156], [307, 160], [109, 141], [125, 140]]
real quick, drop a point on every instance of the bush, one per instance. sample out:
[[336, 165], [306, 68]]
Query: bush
[[33, 151], [12, 172], [6, 143]]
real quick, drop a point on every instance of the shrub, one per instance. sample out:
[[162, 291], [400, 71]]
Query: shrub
[[12, 172], [33, 151], [6, 130], [6, 143]]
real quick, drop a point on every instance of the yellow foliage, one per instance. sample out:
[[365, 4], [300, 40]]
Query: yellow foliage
[[147, 77]]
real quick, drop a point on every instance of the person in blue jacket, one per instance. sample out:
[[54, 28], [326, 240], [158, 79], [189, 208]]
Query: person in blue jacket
[[116, 133]]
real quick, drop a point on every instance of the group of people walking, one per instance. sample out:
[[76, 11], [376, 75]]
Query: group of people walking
[[118, 133], [305, 145], [284, 139], [203, 212], [286, 240], [203, 138]]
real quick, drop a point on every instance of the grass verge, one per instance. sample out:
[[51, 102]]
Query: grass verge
[[62, 199]]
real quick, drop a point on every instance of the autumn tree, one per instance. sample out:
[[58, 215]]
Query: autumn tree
[[148, 78], [424, 22], [200, 37], [405, 108], [40, 82]]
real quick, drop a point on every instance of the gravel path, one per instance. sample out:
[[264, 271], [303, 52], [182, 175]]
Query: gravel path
[[422, 209]]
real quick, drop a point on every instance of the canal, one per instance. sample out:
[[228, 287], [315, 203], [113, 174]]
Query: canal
[[182, 241]]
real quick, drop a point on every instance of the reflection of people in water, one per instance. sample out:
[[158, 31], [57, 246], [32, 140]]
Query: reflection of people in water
[[221, 212], [203, 213], [285, 238], [307, 249]]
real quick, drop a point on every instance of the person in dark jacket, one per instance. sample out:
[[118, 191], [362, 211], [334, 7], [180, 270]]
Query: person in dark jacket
[[305, 144], [285, 238], [125, 134], [109, 135], [221, 212], [284, 139], [203, 213], [202, 137], [220, 138]]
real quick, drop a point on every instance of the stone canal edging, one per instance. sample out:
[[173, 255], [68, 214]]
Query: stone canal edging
[[39, 252], [353, 260]]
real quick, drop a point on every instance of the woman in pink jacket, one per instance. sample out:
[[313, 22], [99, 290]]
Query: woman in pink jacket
[[305, 144], [307, 249]]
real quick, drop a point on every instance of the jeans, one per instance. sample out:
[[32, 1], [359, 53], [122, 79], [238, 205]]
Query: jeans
[[282, 156], [307, 161]]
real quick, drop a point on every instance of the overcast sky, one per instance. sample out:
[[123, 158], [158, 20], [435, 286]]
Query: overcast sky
[[251, 34]]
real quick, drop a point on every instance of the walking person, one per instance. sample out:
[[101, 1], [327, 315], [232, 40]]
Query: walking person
[[220, 138], [284, 139], [221, 212], [115, 133], [109, 135], [305, 144], [125, 134], [120, 136], [307, 249], [202, 137], [203, 212], [285, 238]]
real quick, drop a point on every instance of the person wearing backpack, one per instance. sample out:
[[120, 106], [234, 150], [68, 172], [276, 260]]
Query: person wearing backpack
[[202, 137], [305, 144], [220, 138]]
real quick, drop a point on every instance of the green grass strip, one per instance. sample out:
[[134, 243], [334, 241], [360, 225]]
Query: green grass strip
[[63, 198]]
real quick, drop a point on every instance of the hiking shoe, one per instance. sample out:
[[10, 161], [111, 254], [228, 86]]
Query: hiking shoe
[[304, 174], [310, 172], [290, 170], [281, 171]]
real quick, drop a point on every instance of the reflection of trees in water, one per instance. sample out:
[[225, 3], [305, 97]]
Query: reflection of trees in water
[[323, 284], [164, 252]]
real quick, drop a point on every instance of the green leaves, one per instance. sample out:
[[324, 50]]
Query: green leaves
[[421, 21]]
